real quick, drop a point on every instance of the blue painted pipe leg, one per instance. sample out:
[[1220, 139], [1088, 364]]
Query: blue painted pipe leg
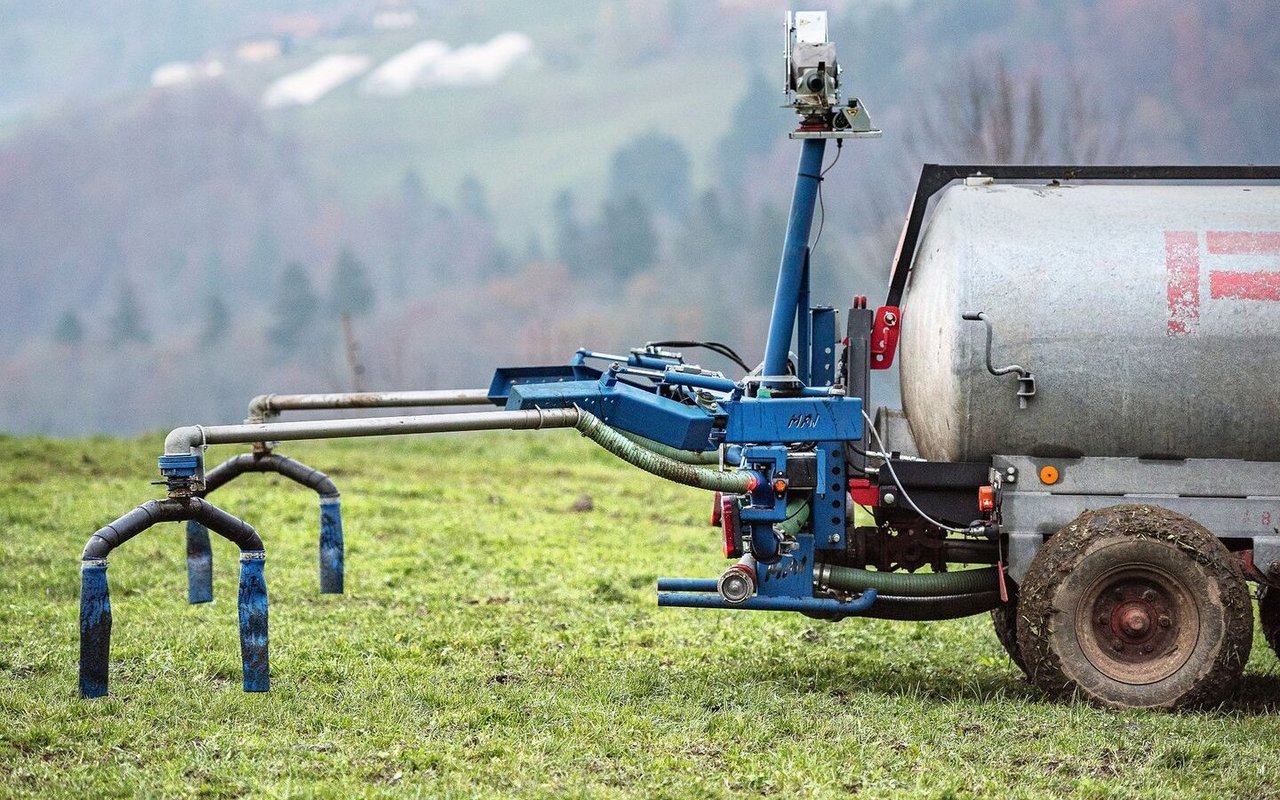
[[95, 628], [199, 564], [331, 547], [253, 621]]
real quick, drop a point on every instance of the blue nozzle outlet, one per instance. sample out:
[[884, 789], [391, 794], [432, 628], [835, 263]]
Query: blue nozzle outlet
[[199, 564], [95, 628], [331, 547], [253, 622], [179, 466]]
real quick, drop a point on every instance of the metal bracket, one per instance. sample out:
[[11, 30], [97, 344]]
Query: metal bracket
[[1026, 381]]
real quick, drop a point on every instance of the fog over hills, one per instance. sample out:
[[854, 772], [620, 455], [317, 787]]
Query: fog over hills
[[194, 194]]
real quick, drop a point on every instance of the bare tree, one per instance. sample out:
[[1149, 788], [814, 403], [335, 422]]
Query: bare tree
[[987, 113]]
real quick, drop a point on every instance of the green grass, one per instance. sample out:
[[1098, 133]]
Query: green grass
[[493, 643]]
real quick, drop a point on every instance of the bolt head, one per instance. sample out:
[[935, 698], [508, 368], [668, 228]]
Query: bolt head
[[1149, 595], [833, 538], [1165, 622]]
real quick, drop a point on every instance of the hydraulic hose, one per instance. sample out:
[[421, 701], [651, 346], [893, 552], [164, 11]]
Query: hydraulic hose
[[898, 584], [597, 431]]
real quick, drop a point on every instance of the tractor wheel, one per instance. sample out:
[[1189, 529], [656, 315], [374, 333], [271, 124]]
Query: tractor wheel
[[1004, 619], [1135, 606], [1269, 616]]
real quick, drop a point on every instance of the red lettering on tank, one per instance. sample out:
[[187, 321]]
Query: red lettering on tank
[[1182, 260]]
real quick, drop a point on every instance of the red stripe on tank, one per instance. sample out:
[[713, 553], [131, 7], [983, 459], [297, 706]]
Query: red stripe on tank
[[1182, 261], [1244, 285]]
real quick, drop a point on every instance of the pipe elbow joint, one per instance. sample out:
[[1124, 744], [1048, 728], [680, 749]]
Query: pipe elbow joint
[[261, 408], [181, 441], [97, 548]]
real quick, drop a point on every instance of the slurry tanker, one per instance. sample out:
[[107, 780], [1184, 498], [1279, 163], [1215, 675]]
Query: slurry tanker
[[1086, 450]]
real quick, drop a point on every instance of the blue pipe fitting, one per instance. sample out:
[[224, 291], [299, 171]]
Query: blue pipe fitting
[[199, 564], [766, 546], [253, 621], [331, 546], [95, 628], [179, 466]]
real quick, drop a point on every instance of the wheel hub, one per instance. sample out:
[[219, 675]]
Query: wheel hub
[[1139, 625]]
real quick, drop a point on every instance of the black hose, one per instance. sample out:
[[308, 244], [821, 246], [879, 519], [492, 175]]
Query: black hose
[[917, 609], [268, 462], [172, 509]]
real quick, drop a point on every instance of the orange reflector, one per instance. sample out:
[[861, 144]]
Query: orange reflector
[[1048, 475], [986, 498], [780, 485]]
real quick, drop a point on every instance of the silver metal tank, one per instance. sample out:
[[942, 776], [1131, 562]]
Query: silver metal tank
[[1149, 315]]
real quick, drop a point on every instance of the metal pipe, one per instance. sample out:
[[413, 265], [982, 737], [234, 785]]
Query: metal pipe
[[790, 269], [813, 605], [699, 381], [182, 441], [267, 405], [687, 585]]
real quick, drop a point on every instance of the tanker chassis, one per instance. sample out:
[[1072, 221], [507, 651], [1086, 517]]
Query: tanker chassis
[[1117, 488]]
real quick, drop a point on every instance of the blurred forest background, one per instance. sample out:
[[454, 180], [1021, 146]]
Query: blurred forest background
[[208, 199]]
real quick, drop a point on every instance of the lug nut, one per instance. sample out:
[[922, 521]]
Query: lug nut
[[1149, 595], [1165, 622], [1117, 645]]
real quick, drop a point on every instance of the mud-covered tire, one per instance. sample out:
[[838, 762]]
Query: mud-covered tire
[[1269, 616], [1004, 621], [1135, 606]]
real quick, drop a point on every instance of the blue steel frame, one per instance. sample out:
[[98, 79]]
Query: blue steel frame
[[649, 394]]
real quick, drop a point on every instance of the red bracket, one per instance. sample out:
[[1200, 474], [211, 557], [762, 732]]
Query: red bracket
[[884, 336], [863, 493]]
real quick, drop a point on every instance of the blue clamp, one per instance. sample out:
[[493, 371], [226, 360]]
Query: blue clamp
[[179, 466]]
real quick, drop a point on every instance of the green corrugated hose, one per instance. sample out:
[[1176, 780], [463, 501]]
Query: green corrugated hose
[[590, 426], [797, 516], [683, 456], [899, 584]]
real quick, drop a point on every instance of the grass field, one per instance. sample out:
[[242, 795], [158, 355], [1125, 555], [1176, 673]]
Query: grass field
[[493, 642]]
